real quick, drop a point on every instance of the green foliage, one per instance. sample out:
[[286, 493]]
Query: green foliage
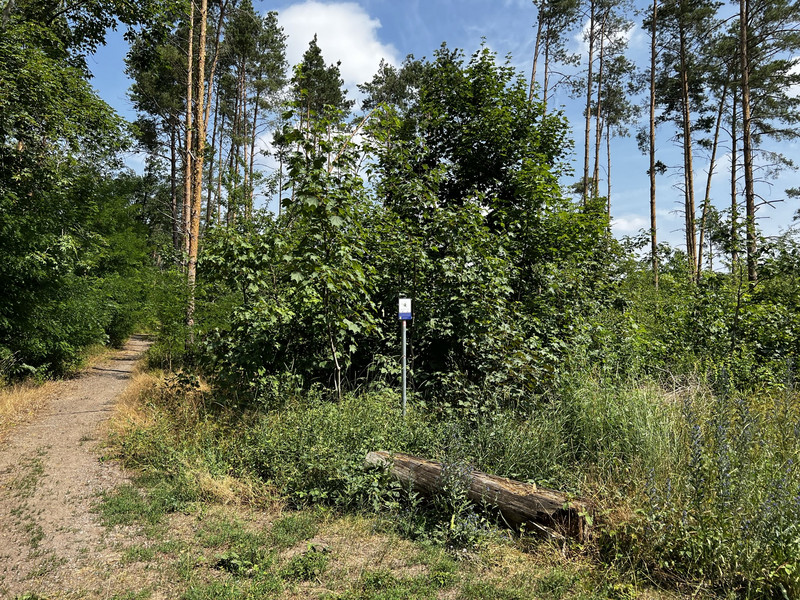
[[73, 246]]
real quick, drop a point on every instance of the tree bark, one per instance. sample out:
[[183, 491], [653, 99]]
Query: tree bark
[[520, 504], [208, 99], [734, 195], [653, 236], [197, 170], [688, 168], [213, 153], [173, 187], [536, 52], [747, 146], [187, 184], [707, 197], [598, 119], [588, 110], [254, 133]]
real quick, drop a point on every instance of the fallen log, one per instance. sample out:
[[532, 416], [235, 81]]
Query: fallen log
[[521, 504]]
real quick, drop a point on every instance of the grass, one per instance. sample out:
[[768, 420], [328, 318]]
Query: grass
[[235, 552], [658, 463], [21, 401]]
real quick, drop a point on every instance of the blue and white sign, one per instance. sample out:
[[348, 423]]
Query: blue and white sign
[[405, 309]]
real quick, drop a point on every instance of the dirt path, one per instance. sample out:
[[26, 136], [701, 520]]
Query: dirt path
[[50, 476]]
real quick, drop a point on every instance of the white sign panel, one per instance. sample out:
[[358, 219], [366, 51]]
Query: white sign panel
[[405, 309]]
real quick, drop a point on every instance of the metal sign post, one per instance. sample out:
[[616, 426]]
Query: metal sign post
[[405, 316]]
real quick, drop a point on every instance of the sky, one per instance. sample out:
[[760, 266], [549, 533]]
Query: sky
[[360, 33]]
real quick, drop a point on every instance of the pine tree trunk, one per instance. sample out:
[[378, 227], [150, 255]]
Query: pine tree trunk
[[653, 236], [688, 167], [197, 175], [734, 194], [253, 148], [213, 153], [219, 171], [536, 46], [546, 79], [588, 109], [608, 174], [187, 184], [206, 115], [173, 186], [598, 134], [747, 146], [711, 166]]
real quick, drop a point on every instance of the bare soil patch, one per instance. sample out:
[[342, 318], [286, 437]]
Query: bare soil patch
[[51, 544]]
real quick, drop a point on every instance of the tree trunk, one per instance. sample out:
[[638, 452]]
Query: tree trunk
[[520, 504], [588, 110], [209, 204], [536, 46], [219, 171], [653, 237], [734, 195], [206, 115], [197, 175], [173, 186], [248, 213], [707, 197], [187, 184], [608, 174], [598, 134], [747, 146], [253, 149], [688, 168]]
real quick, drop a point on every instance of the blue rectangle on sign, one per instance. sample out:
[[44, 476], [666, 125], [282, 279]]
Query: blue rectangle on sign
[[405, 316]]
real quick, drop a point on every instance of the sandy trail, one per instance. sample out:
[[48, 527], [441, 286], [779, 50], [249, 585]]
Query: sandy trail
[[51, 544]]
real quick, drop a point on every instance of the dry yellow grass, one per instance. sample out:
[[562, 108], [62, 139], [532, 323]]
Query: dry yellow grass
[[20, 402]]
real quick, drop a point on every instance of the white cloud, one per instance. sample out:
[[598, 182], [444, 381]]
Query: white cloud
[[627, 36], [624, 224], [794, 90], [345, 32]]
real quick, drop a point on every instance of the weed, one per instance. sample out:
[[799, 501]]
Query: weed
[[29, 472], [138, 554], [290, 530], [131, 595], [126, 505], [306, 567]]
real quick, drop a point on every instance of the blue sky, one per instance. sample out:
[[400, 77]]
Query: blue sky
[[361, 32]]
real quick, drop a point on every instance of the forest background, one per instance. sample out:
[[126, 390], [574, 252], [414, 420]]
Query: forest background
[[659, 377]]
